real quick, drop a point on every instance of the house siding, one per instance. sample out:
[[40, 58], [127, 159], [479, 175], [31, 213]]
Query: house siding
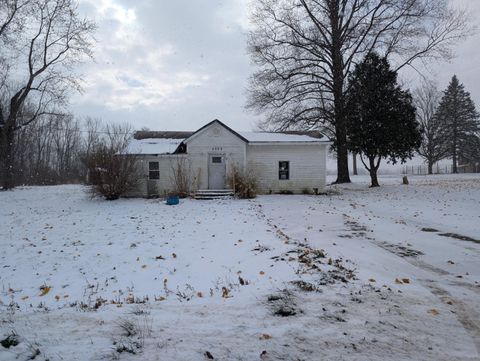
[[159, 187], [307, 168], [215, 140]]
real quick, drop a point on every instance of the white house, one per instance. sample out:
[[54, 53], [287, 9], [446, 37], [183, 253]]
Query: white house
[[281, 162]]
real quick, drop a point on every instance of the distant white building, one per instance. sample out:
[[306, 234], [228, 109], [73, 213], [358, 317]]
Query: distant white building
[[281, 162]]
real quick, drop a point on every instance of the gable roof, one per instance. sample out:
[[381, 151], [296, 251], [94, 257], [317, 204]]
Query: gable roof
[[219, 123], [170, 142]]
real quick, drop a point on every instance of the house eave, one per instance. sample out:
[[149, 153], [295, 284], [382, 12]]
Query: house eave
[[290, 143]]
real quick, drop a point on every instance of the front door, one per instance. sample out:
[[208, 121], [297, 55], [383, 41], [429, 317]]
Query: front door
[[216, 171]]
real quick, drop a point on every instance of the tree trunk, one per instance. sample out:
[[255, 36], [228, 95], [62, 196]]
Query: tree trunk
[[7, 138], [430, 167], [373, 173], [343, 175], [355, 170], [454, 157]]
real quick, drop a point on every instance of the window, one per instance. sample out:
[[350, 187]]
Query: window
[[283, 170], [216, 159], [153, 170]]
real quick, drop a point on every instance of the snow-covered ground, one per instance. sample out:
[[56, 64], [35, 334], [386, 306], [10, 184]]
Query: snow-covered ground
[[390, 273]]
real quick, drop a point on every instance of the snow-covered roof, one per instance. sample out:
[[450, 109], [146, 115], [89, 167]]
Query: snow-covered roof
[[266, 137], [153, 146]]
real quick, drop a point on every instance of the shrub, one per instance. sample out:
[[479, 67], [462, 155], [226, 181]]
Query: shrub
[[244, 183], [181, 177], [112, 174]]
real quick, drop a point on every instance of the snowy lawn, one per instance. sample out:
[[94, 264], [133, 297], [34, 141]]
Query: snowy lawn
[[359, 274]]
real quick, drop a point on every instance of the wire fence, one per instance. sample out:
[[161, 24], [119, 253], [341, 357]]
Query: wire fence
[[440, 169]]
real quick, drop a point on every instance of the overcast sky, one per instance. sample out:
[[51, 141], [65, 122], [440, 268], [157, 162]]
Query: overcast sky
[[176, 65]]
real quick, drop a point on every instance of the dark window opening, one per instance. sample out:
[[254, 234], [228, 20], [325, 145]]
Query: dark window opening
[[216, 159], [153, 170], [283, 170]]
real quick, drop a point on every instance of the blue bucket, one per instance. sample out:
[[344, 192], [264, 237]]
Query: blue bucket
[[172, 200]]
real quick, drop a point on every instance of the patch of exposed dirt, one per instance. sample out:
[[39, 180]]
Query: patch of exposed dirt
[[460, 237], [399, 250]]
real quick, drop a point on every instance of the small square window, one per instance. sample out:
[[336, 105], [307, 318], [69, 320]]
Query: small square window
[[216, 159], [284, 170], [153, 170]]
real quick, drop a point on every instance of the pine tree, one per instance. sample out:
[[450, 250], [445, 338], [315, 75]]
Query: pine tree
[[459, 119], [381, 116]]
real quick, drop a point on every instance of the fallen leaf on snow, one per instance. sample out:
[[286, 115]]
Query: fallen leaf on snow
[[434, 312], [372, 280], [174, 255], [262, 273], [44, 290], [199, 294], [398, 281], [406, 280], [265, 336]]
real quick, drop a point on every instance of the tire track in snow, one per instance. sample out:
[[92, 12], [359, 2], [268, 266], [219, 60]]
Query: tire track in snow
[[468, 318]]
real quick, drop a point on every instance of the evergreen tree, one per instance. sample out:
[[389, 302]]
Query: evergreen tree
[[381, 116], [458, 117], [469, 150]]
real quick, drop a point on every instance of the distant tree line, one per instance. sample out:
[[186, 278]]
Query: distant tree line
[[450, 125], [58, 149]]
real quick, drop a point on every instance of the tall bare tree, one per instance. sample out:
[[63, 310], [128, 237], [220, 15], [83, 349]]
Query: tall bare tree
[[305, 51], [42, 41], [432, 149]]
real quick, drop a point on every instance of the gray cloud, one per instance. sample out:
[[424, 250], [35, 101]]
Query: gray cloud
[[178, 64]]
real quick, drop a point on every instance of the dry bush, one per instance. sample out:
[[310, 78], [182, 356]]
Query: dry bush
[[181, 176], [244, 182], [112, 171]]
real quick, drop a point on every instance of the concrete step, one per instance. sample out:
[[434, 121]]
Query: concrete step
[[213, 193]]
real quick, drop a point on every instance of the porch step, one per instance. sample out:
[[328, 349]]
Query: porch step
[[213, 193]]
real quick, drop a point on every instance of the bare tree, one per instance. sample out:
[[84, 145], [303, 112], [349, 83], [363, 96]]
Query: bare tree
[[306, 49], [42, 41], [48, 151], [113, 172], [432, 149]]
